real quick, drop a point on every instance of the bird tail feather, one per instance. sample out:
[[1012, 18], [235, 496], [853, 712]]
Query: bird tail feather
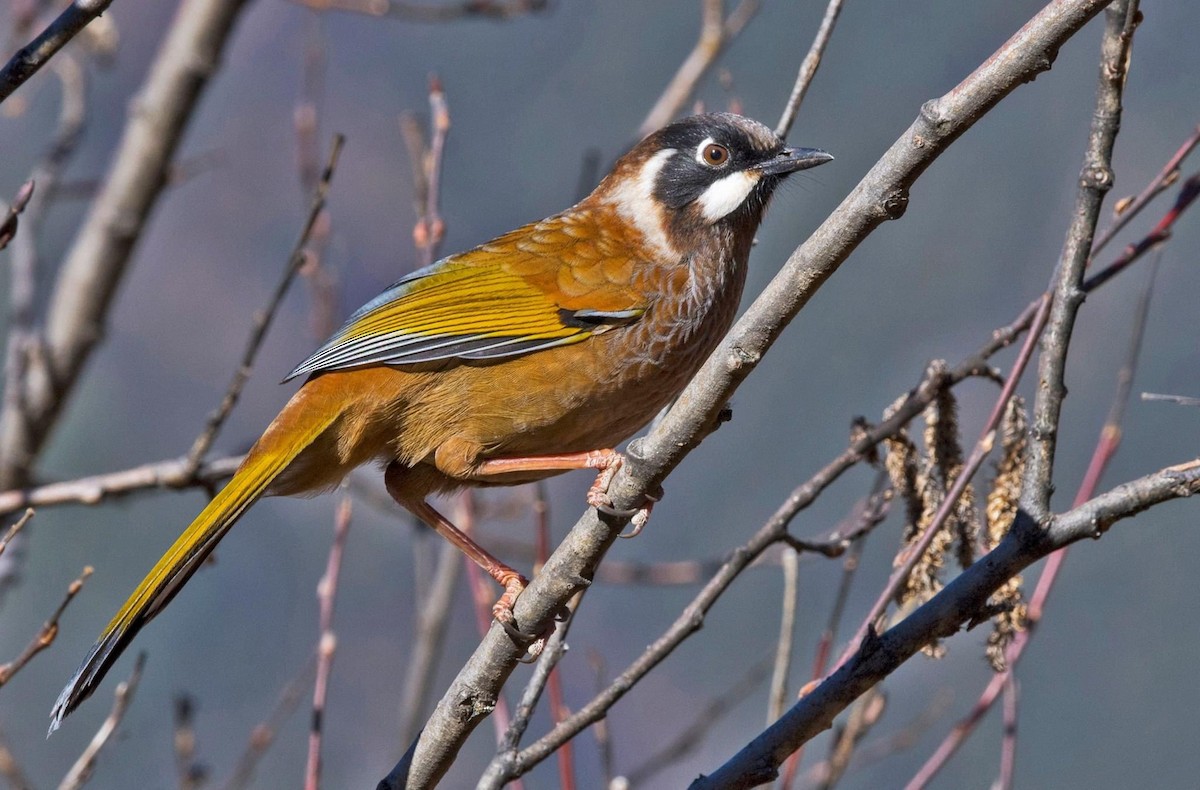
[[264, 463]]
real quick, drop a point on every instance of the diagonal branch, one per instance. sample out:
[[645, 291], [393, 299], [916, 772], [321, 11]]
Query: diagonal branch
[[880, 196], [1095, 180], [31, 57]]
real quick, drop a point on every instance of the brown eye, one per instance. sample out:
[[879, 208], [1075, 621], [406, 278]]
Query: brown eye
[[715, 155]]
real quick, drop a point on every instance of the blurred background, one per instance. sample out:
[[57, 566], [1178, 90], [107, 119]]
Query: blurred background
[[1108, 688]]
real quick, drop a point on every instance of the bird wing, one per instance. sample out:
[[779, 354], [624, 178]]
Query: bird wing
[[554, 283]]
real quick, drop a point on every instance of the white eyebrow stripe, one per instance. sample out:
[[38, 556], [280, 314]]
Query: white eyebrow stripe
[[725, 194]]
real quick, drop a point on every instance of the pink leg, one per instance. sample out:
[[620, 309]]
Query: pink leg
[[607, 460], [512, 582]]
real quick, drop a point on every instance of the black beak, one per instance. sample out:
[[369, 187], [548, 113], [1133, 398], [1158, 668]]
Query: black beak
[[789, 160]]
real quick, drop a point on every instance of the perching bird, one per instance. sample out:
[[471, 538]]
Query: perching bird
[[535, 353]]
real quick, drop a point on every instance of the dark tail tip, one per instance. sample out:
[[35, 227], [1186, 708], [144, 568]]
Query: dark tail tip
[[89, 675]]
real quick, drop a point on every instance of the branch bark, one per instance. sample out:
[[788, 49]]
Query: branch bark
[[99, 256], [880, 196], [31, 57]]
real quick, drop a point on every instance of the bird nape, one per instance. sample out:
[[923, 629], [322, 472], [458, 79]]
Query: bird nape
[[532, 354]]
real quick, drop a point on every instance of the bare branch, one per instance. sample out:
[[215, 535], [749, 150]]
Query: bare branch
[[8, 225], [942, 616], [49, 630], [327, 642], [1128, 209], [808, 67], [93, 490], [92, 270], [497, 10], [26, 62], [81, 771], [1095, 180], [716, 31]]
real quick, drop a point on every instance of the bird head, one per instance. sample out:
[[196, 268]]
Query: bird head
[[700, 175]]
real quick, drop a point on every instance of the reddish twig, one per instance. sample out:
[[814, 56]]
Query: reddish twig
[[1126, 210], [49, 630], [8, 225], [327, 644], [11, 770], [1188, 192], [1008, 748]]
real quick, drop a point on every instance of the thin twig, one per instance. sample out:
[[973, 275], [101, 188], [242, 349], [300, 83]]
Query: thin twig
[[554, 688], [8, 225], [81, 771], [903, 739], [1181, 400], [327, 642], [808, 67], [23, 344], [11, 770], [431, 217], [26, 62], [1127, 210], [263, 318], [716, 31], [703, 721], [1008, 747], [872, 511], [777, 696], [93, 490], [263, 734], [16, 528], [497, 10], [191, 774], [49, 630], [864, 715], [1188, 192], [433, 620]]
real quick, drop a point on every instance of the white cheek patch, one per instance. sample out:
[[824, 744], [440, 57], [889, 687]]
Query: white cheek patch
[[725, 194], [635, 200]]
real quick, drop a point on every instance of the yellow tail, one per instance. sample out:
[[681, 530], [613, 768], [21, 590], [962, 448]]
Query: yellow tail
[[170, 573]]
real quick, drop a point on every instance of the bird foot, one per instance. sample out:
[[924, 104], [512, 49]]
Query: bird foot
[[597, 497], [502, 613]]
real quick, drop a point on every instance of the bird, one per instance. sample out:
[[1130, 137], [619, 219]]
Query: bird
[[530, 355]]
